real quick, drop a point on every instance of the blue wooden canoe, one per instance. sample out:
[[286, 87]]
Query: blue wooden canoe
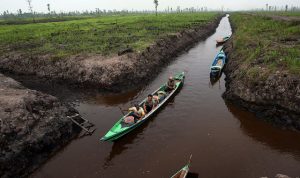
[[218, 64]]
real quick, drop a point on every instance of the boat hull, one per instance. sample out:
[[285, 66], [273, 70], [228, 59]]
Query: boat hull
[[222, 41], [218, 64], [182, 173], [152, 113]]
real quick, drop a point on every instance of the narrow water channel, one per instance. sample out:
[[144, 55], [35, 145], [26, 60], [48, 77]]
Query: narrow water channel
[[225, 140]]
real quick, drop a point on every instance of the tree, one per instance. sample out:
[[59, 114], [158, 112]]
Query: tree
[[286, 8], [30, 9], [156, 4], [20, 12], [97, 11], [48, 7], [4, 14]]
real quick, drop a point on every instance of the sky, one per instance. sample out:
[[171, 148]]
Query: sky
[[81, 5]]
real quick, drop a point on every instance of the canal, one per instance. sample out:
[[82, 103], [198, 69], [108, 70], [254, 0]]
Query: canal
[[225, 140]]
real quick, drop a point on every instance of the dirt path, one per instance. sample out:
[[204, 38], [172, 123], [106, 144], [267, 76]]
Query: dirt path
[[284, 18], [33, 125], [278, 17]]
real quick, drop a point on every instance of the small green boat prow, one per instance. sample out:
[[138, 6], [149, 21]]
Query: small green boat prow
[[120, 129], [183, 172]]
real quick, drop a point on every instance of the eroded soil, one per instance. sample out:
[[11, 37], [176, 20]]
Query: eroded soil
[[33, 126]]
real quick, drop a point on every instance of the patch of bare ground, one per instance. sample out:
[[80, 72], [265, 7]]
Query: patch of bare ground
[[33, 126], [285, 18]]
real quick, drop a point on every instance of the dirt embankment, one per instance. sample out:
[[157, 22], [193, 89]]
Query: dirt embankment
[[114, 73], [276, 99], [33, 126]]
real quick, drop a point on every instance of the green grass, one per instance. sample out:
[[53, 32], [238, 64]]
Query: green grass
[[103, 35], [297, 14], [280, 13], [29, 20], [266, 45]]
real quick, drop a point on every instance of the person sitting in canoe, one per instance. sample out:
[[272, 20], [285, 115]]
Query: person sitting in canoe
[[137, 112], [149, 104], [159, 96], [170, 85]]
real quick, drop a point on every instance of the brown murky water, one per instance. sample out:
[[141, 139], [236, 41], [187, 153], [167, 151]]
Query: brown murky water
[[225, 140]]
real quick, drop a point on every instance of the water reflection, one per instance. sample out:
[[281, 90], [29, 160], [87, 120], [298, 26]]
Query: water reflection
[[111, 99], [120, 145], [70, 93], [192, 175], [169, 135], [277, 139], [215, 80]]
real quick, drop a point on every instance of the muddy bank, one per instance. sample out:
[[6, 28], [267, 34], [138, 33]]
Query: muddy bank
[[279, 176], [275, 99], [114, 73], [285, 18], [33, 126]]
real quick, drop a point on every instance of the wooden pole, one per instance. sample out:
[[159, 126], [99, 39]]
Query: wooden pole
[[121, 111]]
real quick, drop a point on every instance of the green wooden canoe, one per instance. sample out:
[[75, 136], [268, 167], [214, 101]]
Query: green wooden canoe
[[120, 128], [183, 172]]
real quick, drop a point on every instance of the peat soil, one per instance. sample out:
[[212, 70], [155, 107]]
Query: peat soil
[[225, 140], [276, 99], [116, 73], [33, 126]]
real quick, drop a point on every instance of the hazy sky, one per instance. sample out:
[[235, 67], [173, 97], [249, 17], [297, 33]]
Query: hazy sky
[[71, 5]]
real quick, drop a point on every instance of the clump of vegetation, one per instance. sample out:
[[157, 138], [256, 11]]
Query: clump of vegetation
[[103, 35], [266, 45]]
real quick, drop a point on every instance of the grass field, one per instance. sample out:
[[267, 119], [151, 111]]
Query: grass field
[[281, 13], [29, 20], [102, 35], [266, 45]]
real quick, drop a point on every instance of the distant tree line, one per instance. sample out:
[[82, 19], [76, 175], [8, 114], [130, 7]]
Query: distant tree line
[[52, 13], [19, 14], [282, 8]]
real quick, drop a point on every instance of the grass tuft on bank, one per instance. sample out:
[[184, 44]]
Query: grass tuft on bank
[[103, 35], [265, 46]]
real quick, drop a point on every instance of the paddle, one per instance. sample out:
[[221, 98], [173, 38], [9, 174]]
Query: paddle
[[122, 110], [190, 159]]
